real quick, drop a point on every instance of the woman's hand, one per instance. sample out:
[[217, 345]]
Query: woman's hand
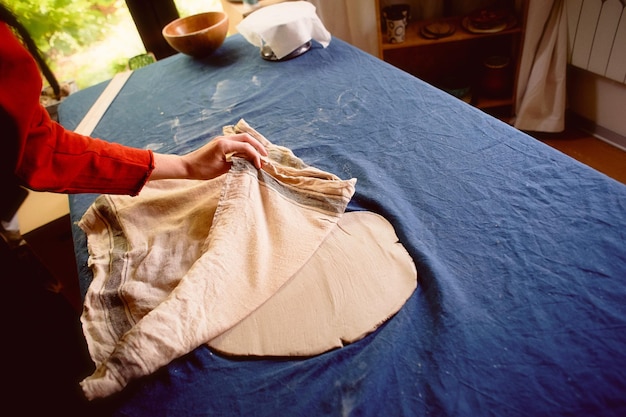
[[210, 160]]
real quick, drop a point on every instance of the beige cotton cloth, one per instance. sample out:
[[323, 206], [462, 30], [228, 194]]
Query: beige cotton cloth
[[187, 260]]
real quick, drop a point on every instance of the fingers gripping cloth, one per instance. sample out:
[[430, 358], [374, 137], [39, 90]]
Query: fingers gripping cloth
[[170, 277]]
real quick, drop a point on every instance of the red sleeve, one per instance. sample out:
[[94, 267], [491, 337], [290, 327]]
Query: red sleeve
[[50, 158], [55, 159]]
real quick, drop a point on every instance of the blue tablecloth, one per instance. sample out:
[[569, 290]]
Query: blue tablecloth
[[521, 251]]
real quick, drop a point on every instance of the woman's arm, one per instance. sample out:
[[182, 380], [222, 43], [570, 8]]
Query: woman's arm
[[209, 161]]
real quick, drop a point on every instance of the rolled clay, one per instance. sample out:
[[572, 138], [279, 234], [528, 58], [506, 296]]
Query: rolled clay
[[359, 277]]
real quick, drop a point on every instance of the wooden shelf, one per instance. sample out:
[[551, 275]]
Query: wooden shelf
[[457, 60], [413, 38], [490, 103]]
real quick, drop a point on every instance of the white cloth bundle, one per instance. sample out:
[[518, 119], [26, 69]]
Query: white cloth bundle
[[284, 27], [244, 250]]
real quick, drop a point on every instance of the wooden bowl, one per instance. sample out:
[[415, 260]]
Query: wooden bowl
[[198, 35]]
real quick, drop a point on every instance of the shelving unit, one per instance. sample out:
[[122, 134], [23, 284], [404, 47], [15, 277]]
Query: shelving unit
[[457, 60]]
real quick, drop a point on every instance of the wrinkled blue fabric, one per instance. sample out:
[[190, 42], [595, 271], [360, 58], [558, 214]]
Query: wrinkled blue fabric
[[521, 251]]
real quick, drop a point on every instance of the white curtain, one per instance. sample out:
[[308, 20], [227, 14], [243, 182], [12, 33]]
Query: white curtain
[[541, 96], [353, 21]]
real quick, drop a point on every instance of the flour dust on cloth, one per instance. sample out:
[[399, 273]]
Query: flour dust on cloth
[[192, 262]]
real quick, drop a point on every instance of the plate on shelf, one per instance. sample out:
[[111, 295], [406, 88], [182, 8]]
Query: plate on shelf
[[437, 30], [468, 25]]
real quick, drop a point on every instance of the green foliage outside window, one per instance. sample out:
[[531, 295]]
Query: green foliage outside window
[[88, 41], [63, 26]]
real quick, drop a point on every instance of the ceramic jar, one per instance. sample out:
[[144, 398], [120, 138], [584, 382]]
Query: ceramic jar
[[497, 78]]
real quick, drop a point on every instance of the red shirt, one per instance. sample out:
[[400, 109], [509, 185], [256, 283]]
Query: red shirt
[[47, 157]]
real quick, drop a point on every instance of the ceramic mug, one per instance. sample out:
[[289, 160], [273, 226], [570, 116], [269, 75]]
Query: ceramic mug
[[396, 30], [397, 18]]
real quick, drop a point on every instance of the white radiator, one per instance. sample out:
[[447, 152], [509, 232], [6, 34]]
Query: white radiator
[[597, 36]]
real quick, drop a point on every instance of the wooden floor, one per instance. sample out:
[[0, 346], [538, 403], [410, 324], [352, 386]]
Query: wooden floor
[[596, 153]]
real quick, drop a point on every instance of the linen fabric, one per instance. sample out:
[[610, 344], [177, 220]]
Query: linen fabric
[[156, 297], [541, 90]]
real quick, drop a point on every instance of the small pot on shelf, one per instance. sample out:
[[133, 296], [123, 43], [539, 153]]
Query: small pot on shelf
[[496, 80]]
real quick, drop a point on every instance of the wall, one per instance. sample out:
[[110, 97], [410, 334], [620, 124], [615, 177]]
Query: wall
[[353, 21], [601, 103], [596, 85]]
